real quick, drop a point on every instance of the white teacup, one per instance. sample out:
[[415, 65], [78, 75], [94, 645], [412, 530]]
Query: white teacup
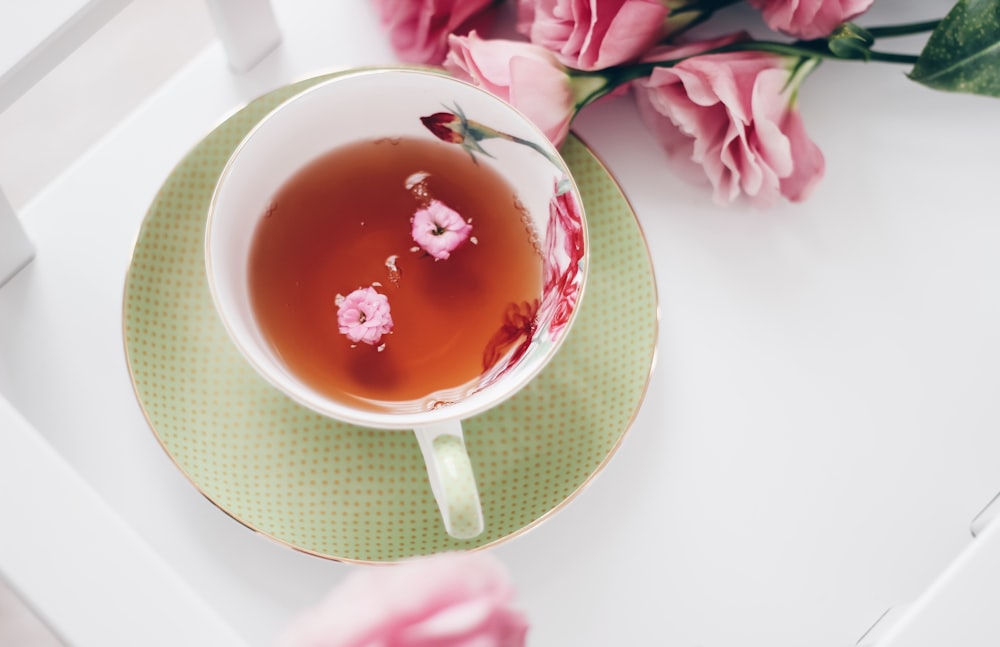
[[380, 104]]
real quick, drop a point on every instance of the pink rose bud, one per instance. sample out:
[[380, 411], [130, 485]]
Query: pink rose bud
[[363, 315], [446, 126]]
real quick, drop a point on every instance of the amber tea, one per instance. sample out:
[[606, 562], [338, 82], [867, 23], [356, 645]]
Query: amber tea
[[382, 272]]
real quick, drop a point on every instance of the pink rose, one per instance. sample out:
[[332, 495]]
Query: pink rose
[[439, 229], [450, 600], [590, 35], [809, 18], [363, 315], [527, 76], [735, 115], [419, 29]]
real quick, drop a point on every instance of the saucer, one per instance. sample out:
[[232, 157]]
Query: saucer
[[354, 494]]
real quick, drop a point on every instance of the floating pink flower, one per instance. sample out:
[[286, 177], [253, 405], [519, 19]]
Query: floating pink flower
[[363, 315], [439, 229]]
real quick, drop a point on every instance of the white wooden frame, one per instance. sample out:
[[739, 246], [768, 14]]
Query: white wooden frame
[[151, 604], [247, 29]]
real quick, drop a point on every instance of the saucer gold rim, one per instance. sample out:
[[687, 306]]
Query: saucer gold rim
[[649, 362]]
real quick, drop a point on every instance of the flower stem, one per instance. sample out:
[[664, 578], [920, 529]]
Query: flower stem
[[889, 57], [594, 85], [687, 15], [888, 31], [532, 145], [810, 48]]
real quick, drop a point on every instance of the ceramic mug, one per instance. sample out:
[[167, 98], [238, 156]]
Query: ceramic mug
[[391, 103]]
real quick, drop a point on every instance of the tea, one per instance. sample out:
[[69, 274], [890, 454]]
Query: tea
[[344, 228]]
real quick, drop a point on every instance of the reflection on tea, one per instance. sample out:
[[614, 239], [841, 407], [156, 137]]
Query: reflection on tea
[[381, 271]]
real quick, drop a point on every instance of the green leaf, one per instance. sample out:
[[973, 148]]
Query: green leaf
[[963, 52]]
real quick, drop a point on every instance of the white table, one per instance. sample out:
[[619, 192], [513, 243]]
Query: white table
[[821, 427]]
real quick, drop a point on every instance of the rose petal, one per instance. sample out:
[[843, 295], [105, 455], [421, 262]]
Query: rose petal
[[735, 110], [809, 18]]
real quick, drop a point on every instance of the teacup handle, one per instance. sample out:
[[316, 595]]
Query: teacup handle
[[449, 471]]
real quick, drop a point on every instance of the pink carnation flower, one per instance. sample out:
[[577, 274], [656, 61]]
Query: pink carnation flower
[[527, 76], [809, 18], [590, 35], [449, 600], [734, 115], [363, 315], [439, 229], [419, 29]]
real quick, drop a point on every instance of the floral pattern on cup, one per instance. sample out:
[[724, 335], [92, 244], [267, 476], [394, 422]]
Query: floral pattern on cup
[[536, 323], [563, 279]]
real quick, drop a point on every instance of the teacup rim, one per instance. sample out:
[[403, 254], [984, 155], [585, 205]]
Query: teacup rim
[[381, 419]]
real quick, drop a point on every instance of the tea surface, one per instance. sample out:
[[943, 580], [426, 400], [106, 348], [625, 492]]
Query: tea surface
[[343, 222]]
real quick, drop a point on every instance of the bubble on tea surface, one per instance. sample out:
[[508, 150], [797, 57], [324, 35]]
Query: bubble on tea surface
[[394, 273], [416, 184]]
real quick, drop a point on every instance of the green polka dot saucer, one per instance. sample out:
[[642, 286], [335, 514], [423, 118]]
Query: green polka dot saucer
[[354, 494]]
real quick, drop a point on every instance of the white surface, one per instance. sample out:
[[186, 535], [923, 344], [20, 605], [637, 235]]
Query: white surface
[[15, 248], [818, 433], [91, 91], [65, 549], [247, 30], [37, 36], [19, 625], [960, 607]]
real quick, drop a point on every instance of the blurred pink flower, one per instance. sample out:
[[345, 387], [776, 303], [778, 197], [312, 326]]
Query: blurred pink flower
[[363, 315], [449, 600], [589, 35], [439, 229], [734, 114], [419, 29], [527, 76], [809, 18]]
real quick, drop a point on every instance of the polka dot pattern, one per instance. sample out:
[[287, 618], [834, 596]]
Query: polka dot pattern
[[355, 494]]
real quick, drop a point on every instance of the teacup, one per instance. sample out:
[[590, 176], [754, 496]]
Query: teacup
[[376, 152]]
